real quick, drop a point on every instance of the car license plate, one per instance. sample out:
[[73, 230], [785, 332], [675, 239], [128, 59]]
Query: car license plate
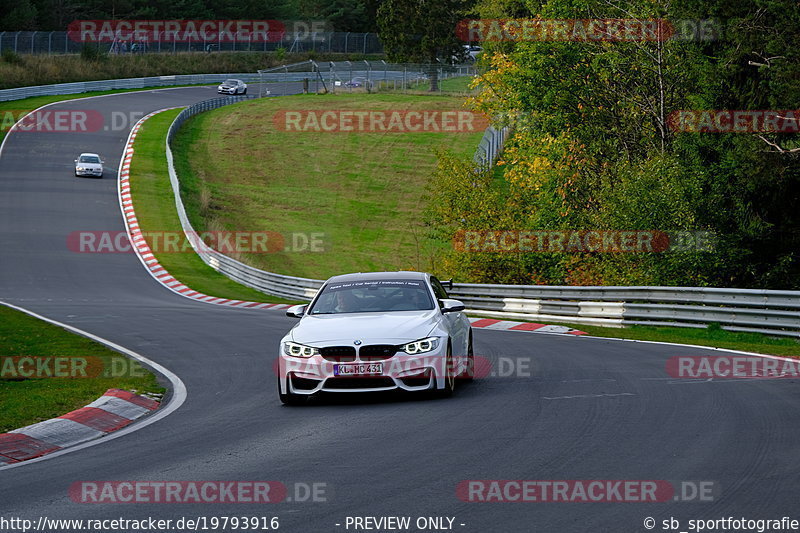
[[364, 369]]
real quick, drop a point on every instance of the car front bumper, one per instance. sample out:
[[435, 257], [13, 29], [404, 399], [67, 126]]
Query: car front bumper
[[92, 172], [399, 372]]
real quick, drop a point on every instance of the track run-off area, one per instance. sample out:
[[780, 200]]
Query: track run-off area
[[573, 408]]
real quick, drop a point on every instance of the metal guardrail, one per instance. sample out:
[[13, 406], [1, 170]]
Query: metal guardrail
[[490, 146], [125, 83], [771, 312], [749, 310]]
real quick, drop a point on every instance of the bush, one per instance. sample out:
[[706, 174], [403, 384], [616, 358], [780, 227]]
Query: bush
[[11, 57], [91, 52]]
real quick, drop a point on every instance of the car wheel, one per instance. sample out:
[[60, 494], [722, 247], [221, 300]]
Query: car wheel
[[289, 398], [469, 373], [244, 92], [449, 378]]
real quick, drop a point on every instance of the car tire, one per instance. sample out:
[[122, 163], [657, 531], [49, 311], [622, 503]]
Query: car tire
[[244, 92], [469, 373], [289, 398], [449, 378]]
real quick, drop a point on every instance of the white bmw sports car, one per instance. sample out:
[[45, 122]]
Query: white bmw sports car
[[232, 87], [375, 332], [89, 165]]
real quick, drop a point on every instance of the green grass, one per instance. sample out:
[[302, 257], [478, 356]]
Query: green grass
[[712, 336], [155, 209], [459, 85], [364, 191], [28, 401]]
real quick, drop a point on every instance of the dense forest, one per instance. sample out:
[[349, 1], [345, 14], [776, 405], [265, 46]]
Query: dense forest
[[49, 15]]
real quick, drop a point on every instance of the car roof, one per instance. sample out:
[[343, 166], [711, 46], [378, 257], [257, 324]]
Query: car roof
[[362, 276], [88, 154]]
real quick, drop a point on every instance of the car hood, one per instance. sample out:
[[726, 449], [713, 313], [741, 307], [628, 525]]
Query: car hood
[[392, 327], [92, 166]]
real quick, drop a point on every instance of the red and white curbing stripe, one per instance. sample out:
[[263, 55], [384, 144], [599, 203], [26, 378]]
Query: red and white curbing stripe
[[530, 327], [143, 249], [112, 411]]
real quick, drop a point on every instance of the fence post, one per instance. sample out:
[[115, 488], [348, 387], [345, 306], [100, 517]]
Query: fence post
[[16, 38], [1, 40], [346, 37]]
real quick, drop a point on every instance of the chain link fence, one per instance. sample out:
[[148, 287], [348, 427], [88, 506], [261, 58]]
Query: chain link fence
[[366, 76], [61, 42]]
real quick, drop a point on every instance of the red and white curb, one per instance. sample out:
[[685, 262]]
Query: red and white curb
[[530, 327], [112, 411], [143, 249]]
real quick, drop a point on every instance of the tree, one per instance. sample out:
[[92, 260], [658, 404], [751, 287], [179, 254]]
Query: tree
[[421, 31], [21, 17]]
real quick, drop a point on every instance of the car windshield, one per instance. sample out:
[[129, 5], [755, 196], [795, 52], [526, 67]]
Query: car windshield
[[230, 82], [89, 159], [373, 296]]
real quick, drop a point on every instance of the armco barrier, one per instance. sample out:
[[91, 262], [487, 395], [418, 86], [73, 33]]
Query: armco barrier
[[125, 83], [762, 311]]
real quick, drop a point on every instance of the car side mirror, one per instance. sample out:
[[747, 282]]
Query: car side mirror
[[452, 306], [76, 160], [298, 311]]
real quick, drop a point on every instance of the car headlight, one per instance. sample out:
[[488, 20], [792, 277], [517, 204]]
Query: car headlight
[[421, 346], [299, 350]]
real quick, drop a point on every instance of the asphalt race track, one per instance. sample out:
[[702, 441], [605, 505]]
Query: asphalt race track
[[592, 408]]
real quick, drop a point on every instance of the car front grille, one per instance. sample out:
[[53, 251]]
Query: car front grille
[[338, 354], [376, 352]]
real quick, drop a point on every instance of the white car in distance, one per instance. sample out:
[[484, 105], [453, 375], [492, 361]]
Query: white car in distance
[[376, 331], [89, 164], [232, 87]]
